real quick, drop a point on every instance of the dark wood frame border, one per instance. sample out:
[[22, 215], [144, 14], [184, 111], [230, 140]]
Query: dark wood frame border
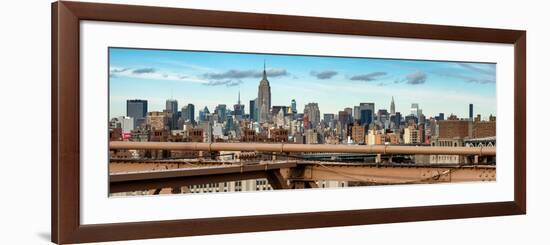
[[66, 227]]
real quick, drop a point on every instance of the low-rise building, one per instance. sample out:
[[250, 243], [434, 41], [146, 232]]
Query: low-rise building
[[195, 134], [278, 135], [123, 122], [447, 159], [411, 135], [375, 137]]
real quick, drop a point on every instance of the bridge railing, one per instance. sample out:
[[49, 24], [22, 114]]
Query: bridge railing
[[288, 147]]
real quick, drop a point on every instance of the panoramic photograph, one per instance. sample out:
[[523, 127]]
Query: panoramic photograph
[[188, 122]]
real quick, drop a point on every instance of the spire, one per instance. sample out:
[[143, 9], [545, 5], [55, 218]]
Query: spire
[[265, 74], [239, 101], [392, 107]]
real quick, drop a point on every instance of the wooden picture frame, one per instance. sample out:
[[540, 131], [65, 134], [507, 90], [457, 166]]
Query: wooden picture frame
[[65, 175]]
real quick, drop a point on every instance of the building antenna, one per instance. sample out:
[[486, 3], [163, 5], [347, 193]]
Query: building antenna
[[265, 74]]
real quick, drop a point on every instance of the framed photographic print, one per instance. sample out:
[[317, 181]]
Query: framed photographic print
[[176, 122]]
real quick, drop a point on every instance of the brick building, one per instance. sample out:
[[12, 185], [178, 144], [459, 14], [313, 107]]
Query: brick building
[[484, 129], [195, 134], [248, 135], [279, 135], [392, 138], [450, 129], [453, 128], [358, 133], [158, 120], [115, 134]]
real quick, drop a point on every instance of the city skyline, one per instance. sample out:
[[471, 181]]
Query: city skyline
[[212, 78], [302, 101]]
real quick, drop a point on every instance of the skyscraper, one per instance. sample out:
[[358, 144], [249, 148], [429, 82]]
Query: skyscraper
[[293, 106], [313, 113], [238, 109], [136, 109], [392, 107], [220, 111], [414, 109], [344, 118], [396, 120], [349, 111], [440, 117], [252, 110], [307, 123], [188, 113], [383, 116], [328, 119], [204, 114], [264, 99], [356, 112], [471, 114], [364, 113], [366, 116], [172, 108]]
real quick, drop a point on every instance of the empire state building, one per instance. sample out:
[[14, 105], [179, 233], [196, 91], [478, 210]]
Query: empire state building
[[264, 99]]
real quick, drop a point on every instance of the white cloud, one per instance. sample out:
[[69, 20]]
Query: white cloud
[[152, 73]]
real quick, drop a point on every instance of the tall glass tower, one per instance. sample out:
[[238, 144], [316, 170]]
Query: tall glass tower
[[136, 109], [172, 108]]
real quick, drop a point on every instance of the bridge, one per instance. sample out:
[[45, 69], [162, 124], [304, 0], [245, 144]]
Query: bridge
[[283, 170]]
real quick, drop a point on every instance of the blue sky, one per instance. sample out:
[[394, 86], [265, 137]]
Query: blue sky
[[212, 78]]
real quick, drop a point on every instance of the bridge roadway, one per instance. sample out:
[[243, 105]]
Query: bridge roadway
[[145, 174]]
